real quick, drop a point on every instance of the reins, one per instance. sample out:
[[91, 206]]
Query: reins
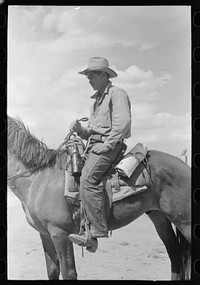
[[61, 146], [32, 170], [23, 174]]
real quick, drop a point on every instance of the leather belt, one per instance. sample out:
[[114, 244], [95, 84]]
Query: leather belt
[[101, 138]]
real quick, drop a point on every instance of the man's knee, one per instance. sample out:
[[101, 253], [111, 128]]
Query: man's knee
[[89, 188], [88, 180]]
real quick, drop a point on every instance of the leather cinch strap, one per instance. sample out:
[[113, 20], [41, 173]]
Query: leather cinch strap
[[115, 182]]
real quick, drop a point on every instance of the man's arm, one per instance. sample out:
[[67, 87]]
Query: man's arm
[[82, 132], [121, 118]]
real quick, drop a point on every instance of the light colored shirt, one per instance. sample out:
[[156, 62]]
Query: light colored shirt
[[110, 116]]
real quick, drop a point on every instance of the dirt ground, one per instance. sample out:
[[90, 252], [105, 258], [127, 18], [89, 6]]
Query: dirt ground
[[134, 252]]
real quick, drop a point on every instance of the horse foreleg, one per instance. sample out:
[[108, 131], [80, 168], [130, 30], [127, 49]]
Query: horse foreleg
[[52, 262], [166, 233], [65, 252]]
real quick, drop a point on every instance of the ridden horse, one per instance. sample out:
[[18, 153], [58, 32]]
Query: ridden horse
[[39, 184]]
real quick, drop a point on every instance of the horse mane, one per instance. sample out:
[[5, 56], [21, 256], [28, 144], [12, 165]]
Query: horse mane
[[28, 149]]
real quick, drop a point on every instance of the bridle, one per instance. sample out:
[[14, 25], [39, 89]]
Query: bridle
[[64, 145], [24, 174]]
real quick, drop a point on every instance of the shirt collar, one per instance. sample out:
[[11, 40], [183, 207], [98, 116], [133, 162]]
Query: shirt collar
[[95, 95]]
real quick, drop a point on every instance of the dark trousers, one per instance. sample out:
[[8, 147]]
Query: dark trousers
[[92, 190]]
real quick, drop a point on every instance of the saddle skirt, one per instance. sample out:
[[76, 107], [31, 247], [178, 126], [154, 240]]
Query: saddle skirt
[[122, 187], [116, 186]]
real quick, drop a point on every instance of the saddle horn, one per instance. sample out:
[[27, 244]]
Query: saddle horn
[[84, 119]]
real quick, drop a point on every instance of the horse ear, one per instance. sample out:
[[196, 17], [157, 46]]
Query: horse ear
[[184, 152]]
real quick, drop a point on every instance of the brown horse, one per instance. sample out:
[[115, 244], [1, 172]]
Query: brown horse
[[41, 191]]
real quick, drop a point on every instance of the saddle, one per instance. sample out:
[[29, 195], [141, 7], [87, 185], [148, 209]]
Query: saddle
[[117, 187]]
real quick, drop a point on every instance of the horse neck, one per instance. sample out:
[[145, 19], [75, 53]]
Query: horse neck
[[20, 186]]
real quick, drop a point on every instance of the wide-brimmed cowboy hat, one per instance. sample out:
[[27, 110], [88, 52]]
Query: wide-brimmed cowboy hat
[[99, 64]]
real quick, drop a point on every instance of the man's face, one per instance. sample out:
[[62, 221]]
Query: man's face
[[96, 80]]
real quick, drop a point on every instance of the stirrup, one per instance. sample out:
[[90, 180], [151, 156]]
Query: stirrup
[[88, 234], [91, 244]]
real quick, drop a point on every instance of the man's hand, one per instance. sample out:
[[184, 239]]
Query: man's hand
[[75, 126], [100, 148]]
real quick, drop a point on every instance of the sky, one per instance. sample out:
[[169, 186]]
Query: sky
[[148, 46]]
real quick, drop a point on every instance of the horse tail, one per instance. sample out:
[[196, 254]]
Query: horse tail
[[184, 256]]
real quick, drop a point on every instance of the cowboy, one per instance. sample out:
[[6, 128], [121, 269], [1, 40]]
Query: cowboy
[[109, 125]]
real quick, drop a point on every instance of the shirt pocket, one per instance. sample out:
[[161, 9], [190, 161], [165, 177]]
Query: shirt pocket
[[103, 119]]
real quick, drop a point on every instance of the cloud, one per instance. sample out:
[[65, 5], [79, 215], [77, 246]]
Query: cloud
[[63, 27], [135, 74], [68, 96], [140, 84], [160, 127], [18, 89], [49, 44]]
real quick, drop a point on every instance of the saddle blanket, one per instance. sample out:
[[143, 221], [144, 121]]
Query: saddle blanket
[[136, 184], [126, 191]]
